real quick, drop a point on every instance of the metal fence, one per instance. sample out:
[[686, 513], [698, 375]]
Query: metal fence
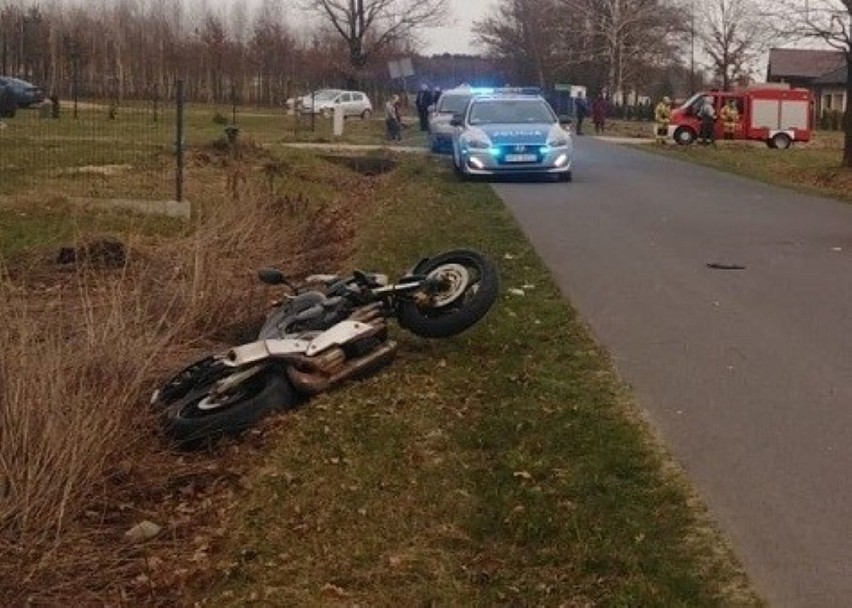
[[88, 141], [78, 144]]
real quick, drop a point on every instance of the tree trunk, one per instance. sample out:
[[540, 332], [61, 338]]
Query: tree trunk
[[847, 145]]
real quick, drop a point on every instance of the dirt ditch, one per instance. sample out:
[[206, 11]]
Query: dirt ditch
[[94, 507]]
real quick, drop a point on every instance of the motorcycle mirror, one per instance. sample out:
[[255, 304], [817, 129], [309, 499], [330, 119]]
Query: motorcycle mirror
[[270, 276]]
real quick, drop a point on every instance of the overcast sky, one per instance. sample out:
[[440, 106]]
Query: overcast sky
[[456, 38]]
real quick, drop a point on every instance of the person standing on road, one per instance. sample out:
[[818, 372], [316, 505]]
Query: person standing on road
[[707, 115], [599, 114], [581, 110], [662, 118], [730, 117], [423, 101]]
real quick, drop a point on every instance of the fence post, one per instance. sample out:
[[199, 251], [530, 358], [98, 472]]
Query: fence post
[[156, 101], [179, 141], [75, 83]]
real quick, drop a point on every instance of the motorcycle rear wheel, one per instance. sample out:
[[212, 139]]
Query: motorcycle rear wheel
[[196, 374], [472, 286], [200, 416]]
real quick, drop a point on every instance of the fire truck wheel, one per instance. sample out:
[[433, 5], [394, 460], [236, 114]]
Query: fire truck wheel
[[684, 136], [780, 141]]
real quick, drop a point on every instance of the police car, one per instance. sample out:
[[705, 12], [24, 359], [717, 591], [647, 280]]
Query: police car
[[511, 134], [452, 102]]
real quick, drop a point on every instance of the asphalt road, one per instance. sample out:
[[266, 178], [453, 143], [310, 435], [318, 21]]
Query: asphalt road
[[746, 373]]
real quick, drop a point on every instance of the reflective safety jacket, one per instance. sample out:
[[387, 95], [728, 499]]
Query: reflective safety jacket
[[662, 113]]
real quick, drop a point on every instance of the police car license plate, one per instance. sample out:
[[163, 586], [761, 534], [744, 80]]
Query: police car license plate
[[521, 158]]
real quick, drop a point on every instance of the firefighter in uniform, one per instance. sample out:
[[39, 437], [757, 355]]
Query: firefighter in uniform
[[662, 117], [730, 117]]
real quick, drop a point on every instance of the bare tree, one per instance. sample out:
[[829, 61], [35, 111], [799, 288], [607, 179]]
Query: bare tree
[[524, 32], [629, 35], [733, 35], [607, 44], [829, 21], [367, 26]]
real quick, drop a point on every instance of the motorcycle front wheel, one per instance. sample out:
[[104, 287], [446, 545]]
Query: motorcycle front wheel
[[207, 412], [469, 287]]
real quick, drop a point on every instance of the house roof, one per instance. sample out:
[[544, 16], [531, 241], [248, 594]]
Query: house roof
[[803, 63], [837, 76]]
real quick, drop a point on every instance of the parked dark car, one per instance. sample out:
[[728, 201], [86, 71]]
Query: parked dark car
[[26, 93], [8, 103]]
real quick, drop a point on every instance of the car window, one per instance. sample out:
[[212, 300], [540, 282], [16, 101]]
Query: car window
[[357, 97], [345, 97], [510, 112], [326, 95], [453, 104]]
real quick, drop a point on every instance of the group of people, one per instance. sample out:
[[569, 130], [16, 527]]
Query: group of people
[[707, 116], [599, 110], [426, 98]]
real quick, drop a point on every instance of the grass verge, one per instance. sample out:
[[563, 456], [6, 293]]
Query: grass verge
[[813, 168], [506, 466]]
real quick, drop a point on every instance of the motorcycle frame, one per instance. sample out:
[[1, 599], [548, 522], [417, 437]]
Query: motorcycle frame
[[286, 348]]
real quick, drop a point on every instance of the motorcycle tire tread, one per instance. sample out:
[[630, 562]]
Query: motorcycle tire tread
[[194, 431], [461, 319]]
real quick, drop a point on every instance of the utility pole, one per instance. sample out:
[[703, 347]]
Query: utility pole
[[692, 47]]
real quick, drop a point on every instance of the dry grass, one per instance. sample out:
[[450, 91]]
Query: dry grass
[[82, 346]]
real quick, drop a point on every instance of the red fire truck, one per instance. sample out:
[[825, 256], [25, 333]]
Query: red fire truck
[[773, 113]]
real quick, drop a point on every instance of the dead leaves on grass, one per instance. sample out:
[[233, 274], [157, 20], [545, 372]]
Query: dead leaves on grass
[[188, 499]]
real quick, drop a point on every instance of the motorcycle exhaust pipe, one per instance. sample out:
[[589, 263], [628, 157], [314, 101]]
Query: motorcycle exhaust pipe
[[317, 382]]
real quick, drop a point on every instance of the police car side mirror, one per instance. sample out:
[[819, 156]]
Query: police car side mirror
[[457, 120], [431, 108]]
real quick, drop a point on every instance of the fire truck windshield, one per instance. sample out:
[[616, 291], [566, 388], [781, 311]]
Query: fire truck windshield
[[692, 100]]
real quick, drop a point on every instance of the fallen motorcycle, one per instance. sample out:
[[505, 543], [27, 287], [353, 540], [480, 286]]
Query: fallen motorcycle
[[333, 330]]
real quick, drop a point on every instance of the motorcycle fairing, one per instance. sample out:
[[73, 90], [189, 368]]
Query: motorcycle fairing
[[339, 334]]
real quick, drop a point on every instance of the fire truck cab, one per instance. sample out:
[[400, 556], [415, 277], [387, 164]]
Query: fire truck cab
[[773, 113]]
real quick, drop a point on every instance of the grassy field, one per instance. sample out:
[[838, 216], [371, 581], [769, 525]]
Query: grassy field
[[503, 467], [507, 466], [76, 155]]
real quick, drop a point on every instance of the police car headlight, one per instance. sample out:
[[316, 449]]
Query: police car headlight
[[478, 144], [558, 142]]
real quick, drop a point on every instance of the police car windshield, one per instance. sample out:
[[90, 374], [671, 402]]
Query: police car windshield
[[453, 104], [506, 111]]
